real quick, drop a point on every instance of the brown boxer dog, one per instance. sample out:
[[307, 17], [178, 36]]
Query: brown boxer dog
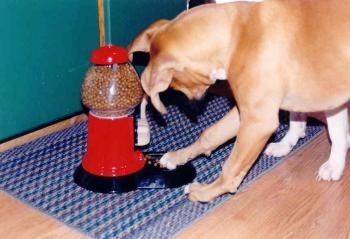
[[275, 54]]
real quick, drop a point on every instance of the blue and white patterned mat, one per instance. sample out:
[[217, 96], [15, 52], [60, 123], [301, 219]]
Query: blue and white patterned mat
[[40, 173]]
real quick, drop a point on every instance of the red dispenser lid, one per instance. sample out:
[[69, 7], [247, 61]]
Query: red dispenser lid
[[109, 54]]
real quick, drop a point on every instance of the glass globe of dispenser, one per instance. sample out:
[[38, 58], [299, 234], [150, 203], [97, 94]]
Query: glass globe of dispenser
[[111, 87]]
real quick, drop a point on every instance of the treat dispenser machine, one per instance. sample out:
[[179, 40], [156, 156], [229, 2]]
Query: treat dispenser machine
[[113, 162], [111, 90]]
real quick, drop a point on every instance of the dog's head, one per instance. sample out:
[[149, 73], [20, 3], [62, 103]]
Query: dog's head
[[169, 63]]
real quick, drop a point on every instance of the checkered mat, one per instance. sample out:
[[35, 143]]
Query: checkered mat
[[40, 173]]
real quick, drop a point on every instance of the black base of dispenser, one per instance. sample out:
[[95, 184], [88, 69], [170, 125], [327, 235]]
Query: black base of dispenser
[[150, 177], [103, 184]]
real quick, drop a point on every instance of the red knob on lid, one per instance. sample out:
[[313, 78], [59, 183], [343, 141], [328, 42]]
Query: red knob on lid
[[109, 54]]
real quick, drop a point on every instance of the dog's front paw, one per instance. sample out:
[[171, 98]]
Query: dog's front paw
[[166, 162], [172, 159], [198, 192], [278, 149], [330, 171]]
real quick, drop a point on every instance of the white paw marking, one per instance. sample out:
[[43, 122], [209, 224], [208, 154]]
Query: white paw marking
[[330, 171], [295, 132], [218, 74], [278, 149], [165, 162]]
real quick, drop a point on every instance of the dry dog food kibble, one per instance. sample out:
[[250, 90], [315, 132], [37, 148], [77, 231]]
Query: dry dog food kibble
[[112, 90]]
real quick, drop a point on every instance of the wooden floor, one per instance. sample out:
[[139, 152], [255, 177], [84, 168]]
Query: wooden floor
[[285, 203]]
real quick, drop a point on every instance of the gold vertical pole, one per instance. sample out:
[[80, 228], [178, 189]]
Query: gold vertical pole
[[101, 21]]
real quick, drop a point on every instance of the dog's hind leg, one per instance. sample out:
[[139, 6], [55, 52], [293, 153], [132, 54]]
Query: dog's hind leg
[[296, 131], [338, 129], [221, 131]]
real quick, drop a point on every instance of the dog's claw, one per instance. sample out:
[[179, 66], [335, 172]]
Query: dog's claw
[[187, 189]]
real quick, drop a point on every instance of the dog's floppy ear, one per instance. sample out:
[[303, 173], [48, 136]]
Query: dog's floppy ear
[[142, 42], [154, 82]]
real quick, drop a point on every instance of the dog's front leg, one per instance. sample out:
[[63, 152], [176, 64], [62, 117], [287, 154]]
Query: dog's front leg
[[212, 137], [251, 138]]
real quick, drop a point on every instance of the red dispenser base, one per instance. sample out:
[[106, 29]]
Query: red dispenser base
[[110, 147], [110, 161], [112, 165]]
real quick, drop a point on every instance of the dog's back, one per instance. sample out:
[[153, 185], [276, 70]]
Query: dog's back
[[306, 42], [302, 44], [316, 38]]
